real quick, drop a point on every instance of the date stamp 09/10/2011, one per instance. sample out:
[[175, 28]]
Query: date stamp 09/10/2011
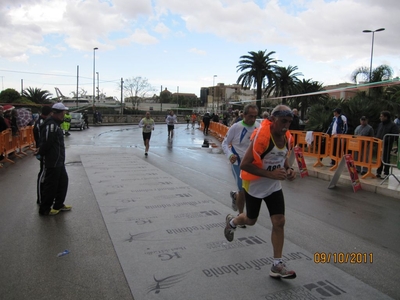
[[343, 258]]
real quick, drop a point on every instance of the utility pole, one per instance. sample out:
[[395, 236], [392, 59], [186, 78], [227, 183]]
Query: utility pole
[[77, 85], [122, 95]]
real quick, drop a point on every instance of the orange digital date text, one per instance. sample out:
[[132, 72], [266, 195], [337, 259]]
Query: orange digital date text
[[343, 258]]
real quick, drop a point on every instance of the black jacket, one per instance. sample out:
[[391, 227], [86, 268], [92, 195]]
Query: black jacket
[[37, 128], [206, 119], [387, 127], [52, 148]]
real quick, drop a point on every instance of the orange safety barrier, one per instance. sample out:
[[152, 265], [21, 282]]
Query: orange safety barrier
[[10, 145], [218, 130], [360, 147], [26, 139], [318, 148]]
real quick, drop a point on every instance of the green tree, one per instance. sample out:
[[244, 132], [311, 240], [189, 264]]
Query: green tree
[[380, 73], [284, 82], [37, 96], [9, 96], [307, 86], [320, 114], [257, 70]]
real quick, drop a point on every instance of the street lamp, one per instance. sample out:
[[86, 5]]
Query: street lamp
[[372, 48], [98, 88], [94, 74], [213, 91]]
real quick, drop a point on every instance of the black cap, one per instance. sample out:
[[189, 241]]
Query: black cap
[[363, 118], [338, 110]]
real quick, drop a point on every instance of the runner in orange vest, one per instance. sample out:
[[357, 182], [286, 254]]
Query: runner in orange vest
[[264, 165]]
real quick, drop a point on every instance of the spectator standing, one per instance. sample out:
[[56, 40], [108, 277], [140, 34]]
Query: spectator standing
[[295, 125], [337, 126], [3, 125], [45, 113], [54, 178], [264, 165], [86, 118], [397, 121], [364, 129], [147, 124], [235, 144], [206, 121], [66, 124], [235, 117], [265, 115], [386, 127]]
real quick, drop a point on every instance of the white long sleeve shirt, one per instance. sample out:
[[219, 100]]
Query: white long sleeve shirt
[[237, 139]]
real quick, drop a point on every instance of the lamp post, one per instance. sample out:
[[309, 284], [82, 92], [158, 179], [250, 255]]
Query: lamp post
[[372, 48], [98, 87], [94, 75], [213, 91]]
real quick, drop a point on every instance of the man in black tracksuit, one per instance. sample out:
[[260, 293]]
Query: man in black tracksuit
[[206, 121], [54, 178], [46, 110]]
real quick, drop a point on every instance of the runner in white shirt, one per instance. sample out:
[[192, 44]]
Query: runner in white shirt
[[235, 144], [171, 119], [147, 124]]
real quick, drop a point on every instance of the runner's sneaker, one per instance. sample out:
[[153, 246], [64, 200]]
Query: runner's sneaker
[[66, 208], [280, 271], [229, 230], [53, 212], [233, 197]]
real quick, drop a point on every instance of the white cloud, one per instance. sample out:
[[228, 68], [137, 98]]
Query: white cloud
[[197, 51], [141, 36]]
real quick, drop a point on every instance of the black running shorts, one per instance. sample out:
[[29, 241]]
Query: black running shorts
[[146, 136], [275, 203]]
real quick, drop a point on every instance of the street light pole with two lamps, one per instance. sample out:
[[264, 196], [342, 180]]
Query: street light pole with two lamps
[[372, 48]]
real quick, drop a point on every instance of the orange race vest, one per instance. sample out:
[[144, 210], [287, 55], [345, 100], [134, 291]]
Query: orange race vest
[[261, 138]]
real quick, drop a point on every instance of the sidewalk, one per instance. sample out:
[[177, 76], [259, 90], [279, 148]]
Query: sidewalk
[[390, 187]]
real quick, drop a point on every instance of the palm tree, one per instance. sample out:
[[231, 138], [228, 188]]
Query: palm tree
[[36, 95], [306, 87], [284, 82], [380, 73], [257, 68]]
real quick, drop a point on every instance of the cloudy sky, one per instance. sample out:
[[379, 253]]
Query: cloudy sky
[[184, 43]]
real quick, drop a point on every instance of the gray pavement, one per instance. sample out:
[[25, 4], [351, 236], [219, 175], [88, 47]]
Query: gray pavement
[[152, 228]]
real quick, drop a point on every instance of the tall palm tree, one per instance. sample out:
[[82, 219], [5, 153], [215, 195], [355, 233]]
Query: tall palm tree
[[36, 95], [257, 70], [307, 86], [380, 73], [284, 82]]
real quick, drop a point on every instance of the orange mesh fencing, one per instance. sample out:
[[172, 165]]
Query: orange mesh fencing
[[10, 144], [362, 149], [26, 139], [317, 147]]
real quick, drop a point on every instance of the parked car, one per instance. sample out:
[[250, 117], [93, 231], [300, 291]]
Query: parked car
[[77, 121]]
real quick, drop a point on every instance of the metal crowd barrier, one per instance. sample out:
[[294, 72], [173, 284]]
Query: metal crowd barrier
[[388, 141]]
